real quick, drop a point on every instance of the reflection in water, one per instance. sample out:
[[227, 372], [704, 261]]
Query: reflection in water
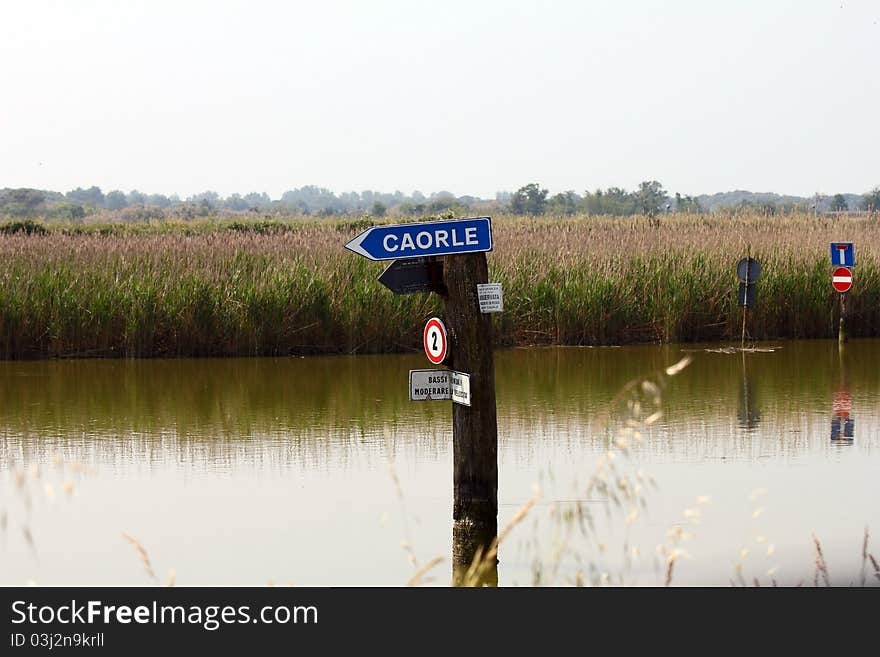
[[842, 422], [320, 412], [749, 414], [284, 461], [325, 413], [471, 538]]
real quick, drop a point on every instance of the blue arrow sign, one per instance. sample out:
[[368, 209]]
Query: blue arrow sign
[[434, 238], [843, 254]]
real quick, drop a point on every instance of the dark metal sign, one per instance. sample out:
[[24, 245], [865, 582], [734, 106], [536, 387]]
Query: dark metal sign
[[748, 270], [414, 275], [747, 295]]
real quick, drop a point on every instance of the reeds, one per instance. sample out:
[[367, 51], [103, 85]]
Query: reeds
[[221, 289]]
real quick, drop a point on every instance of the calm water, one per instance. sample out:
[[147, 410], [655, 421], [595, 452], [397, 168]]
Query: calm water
[[252, 471]]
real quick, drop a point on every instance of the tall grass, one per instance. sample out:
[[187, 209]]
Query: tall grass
[[272, 288]]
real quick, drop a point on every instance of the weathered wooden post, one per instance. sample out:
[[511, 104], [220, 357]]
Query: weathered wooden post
[[748, 270], [841, 326], [742, 342], [474, 427], [466, 348]]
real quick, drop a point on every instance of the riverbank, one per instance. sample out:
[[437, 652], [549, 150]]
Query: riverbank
[[267, 288]]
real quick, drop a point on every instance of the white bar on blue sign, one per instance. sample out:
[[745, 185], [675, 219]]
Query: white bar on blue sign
[[491, 298], [425, 385], [843, 254], [460, 385]]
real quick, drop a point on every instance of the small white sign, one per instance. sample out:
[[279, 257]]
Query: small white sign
[[425, 385], [460, 385], [490, 296]]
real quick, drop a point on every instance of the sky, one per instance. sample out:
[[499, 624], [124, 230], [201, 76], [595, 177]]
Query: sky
[[468, 96]]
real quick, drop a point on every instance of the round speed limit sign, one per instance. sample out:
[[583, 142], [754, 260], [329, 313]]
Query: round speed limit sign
[[435, 342]]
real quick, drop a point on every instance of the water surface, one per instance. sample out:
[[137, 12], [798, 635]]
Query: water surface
[[320, 471]]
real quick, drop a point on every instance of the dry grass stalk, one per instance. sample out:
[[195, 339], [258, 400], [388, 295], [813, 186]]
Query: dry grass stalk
[[485, 560], [417, 578], [821, 567], [640, 402], [142, 553], [669, 569], [29, 539]]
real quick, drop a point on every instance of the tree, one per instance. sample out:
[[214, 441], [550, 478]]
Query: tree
[[613, 201], [91, 196], [651, 197], [871, 200], [208, 199], [441, 205], [136, 198], [565, 203], [530, 199], [378, 209], [311, 198], [115, 200], [159, 200], [838, 203], [257, 201], [72, 212], [20, 202], [235, 202], [687, 204]]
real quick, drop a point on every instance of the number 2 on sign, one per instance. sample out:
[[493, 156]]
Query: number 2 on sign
[[434, 340]]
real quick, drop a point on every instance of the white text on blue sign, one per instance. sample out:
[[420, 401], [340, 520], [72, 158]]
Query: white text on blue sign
[[436, 238]]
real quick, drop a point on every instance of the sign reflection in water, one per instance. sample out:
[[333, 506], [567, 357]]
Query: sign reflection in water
[[749, 413], [842, 422], [245, 471]]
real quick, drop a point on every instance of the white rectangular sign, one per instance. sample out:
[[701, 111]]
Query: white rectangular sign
[[491, 300], [460, 385], [426, 385]]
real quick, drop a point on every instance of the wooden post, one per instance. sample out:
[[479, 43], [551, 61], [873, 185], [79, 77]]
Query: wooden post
[[841, 327], [474, 427], [742, 344]]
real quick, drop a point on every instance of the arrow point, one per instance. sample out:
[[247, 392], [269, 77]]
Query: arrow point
[[386, 275], [354, 245]]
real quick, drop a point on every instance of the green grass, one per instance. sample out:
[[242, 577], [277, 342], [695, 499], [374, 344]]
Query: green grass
[[215, 288]]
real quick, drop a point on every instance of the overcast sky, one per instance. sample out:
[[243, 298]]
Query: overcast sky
[[472, 96]]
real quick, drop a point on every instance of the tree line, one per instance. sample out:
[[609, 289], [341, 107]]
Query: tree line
[[307, 200], [648, 198]]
